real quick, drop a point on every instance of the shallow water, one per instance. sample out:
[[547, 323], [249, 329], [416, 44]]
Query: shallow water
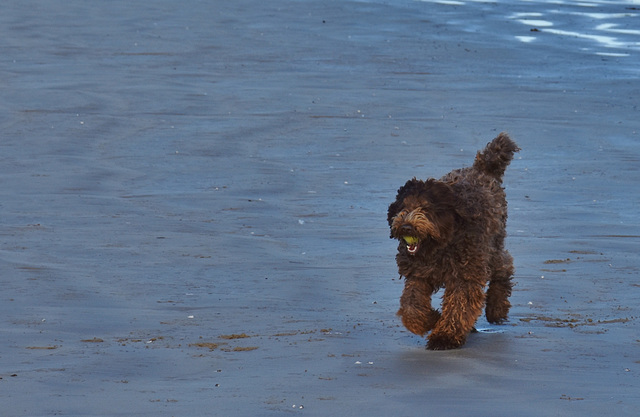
[[607, 28]]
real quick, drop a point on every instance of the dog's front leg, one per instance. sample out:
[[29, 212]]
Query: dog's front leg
[[415, 307], [461, 306]]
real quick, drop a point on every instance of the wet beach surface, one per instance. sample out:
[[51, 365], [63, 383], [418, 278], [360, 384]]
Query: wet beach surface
[[194, 203]]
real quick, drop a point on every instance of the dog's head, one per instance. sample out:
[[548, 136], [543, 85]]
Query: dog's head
[[424, 215]]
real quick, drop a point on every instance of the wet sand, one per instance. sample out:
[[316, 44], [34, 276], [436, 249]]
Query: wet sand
[[194, 206]]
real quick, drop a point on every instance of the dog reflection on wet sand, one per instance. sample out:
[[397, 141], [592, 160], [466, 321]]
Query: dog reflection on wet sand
[[451, 235]]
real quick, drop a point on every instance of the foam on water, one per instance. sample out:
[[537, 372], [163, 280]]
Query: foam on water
[[604, 28]]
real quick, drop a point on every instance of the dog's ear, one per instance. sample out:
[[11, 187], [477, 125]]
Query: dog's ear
[[444, 204], [394, 209], [408, 188], [449, 200], [441, 193]]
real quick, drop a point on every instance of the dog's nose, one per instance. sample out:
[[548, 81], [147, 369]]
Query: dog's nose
[[407, 228]]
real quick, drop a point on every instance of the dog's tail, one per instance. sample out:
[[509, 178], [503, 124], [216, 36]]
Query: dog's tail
[[497, 155]]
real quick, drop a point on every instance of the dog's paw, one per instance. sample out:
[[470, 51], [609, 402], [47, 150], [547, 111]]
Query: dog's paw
[[443, 342], [415, 326], [497, 315], [418, 321]]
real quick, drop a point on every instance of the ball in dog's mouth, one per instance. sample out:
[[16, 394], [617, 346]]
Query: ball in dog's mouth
[[412, 244]]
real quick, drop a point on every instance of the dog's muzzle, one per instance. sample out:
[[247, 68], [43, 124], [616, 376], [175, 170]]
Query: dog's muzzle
[[412, 244]]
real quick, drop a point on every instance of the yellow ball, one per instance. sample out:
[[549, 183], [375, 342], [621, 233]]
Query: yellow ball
[[410, 240]]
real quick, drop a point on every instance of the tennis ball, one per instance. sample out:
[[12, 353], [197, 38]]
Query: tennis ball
[[410, 240]]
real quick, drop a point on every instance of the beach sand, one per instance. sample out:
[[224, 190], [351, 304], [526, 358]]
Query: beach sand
[[194, 203]]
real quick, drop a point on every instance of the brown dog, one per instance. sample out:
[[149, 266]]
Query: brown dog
[[451, 234]]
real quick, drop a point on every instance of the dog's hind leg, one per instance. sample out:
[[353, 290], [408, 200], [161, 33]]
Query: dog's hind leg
[[461, 306], [415, 307], [498, 305]]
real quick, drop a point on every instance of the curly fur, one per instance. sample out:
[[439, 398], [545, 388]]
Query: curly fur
[[451, 235]]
